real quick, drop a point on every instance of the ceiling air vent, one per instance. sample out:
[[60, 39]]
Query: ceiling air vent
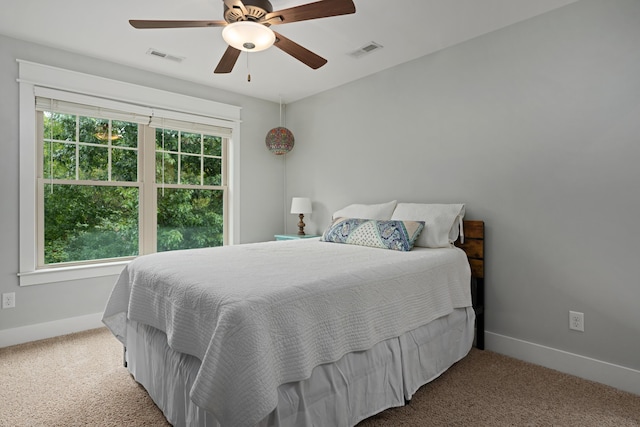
[[365, 50], [163, 55]]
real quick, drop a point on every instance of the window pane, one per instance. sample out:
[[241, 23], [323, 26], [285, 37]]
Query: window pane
[[60, 127], [124, 165], [190, 143], [189, 219], [90, 222], [212, 171], [190, 169], [170, 140], [94, 163], [170, 166], [62, 164], [212, 145], [125, 134], [95, 131]]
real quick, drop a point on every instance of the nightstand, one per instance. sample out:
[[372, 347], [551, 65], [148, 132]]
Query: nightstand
[[294, 236]]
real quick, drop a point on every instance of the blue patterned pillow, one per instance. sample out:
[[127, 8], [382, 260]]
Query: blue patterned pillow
[[392, 234]]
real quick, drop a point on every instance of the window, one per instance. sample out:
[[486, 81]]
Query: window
[[91, 189], [113, 180], [88, 189], [190, 168]]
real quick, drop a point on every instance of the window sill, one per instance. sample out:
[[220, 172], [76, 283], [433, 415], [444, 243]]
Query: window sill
[[76, 272]]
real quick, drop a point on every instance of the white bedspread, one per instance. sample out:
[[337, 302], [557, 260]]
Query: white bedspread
[[260, 315]]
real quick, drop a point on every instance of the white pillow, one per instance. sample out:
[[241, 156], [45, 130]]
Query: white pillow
[[442, 222], [380, 211]]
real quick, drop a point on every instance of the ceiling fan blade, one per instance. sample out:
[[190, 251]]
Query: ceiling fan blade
[[227, 61], [300, 53], [143, 24], [305, 12]]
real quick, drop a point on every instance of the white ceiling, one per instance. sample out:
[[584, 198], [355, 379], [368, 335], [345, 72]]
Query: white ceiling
[[407, 29]]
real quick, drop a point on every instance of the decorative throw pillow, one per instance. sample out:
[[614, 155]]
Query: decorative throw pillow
[[396, 235]]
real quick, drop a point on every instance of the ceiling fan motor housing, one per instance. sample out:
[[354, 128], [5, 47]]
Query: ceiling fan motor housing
[[256, 10]]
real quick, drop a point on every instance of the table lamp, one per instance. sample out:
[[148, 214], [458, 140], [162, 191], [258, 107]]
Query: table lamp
[[301, 206]]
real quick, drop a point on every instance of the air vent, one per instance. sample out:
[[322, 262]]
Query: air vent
[[365, 50], [163, 55]]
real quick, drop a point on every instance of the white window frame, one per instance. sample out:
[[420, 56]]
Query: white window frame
[[170, 104]]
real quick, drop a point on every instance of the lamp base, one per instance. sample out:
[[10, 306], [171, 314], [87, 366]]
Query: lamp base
[[301, 225]]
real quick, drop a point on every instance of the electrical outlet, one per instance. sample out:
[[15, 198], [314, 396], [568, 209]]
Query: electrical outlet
[[9, 300], [576, 321]]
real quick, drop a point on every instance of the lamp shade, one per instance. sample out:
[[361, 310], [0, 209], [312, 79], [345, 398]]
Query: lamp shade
[[248, 36], [300, 205], [280, 140]]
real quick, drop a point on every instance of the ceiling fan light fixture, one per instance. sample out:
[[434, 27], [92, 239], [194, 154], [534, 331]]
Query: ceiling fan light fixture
[[248, 36]]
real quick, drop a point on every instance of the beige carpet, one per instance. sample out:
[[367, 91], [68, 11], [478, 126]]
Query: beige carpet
[[78, 380]]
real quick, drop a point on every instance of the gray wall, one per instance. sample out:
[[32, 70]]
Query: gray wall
[[536, 128], [261, 180]]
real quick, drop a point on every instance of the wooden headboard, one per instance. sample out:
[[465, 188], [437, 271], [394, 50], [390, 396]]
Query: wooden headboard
[[474, 248]]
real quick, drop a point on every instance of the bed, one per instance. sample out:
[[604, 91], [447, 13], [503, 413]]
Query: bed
[[297, 333]]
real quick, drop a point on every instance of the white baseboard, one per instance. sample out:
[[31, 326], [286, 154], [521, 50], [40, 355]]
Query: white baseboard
[[52, 329], [620, 377]]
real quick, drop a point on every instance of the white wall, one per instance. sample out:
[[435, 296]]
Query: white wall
[[261, 185], [536, 128]]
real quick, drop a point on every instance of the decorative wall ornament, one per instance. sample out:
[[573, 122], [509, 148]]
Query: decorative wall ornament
[[280, 140]]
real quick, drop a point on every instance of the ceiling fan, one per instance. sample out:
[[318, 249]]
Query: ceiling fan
[[246, 27]]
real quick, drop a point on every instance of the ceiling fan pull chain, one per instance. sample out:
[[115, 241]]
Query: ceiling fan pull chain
[[248, 70]]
